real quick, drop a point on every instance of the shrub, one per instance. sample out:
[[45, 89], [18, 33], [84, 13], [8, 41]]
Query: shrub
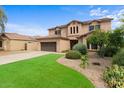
[[84, 61], [119, 58], [101, 52], [73, 54], [110, 51], [81, 48], [114, 76], [65, 51]]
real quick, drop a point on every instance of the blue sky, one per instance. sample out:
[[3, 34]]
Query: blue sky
[[35, 20]]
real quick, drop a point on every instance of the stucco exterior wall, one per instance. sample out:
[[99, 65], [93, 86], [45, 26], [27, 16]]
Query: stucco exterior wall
[[64, 45], [19, 45], [51, 32], [33, 46], [64, 32], [106, 26], [74, 24]]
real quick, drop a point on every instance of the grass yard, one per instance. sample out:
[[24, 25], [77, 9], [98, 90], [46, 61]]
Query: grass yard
[[41, 72]]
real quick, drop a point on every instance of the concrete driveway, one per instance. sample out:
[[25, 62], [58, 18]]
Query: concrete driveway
[[20, 56]]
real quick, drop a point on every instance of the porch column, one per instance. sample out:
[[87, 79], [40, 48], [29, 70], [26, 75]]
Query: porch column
[[90, 47]]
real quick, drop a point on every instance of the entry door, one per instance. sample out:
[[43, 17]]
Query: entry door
[[25, 46], [72, 43]]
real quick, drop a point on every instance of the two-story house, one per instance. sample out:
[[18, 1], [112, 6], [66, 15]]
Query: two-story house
[[64, 37], [60, 38]]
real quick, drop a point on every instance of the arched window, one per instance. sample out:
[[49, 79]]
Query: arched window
[[71, 30], [77, 29], [1, 44], [74, 30]]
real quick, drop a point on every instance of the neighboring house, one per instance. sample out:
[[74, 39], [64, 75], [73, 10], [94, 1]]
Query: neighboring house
[[60, 38], [14, 41], [64, 37]]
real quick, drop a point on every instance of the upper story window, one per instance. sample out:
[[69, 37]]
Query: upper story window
[[94, 27], [74, 30], [55, 32], [71, 30], [97, 27], [91, 27], [0, 43], [58, 32], [77, 29]]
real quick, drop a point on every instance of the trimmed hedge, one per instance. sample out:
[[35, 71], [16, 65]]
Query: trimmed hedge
[[73, 54]]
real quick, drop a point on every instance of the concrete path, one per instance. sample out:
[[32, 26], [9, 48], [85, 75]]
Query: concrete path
[[20, 56]]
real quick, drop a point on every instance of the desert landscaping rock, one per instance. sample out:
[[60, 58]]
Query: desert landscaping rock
[[93, 72]]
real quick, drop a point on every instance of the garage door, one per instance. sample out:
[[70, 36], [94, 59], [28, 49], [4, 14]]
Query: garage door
[[48, 46]]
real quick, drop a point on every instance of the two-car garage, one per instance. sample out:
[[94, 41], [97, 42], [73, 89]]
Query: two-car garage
[[54, 44], [48, 46]]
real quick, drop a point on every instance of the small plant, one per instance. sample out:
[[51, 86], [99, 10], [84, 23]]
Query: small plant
[[81, 48], [119, 58], [114, 76], [84, 61], [73, 54]]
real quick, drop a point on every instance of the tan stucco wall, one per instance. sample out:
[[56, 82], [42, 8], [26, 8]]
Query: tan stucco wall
[[74, 24], [105, 26], [63, 32], [18, 45], [33, 46], [64, 45]]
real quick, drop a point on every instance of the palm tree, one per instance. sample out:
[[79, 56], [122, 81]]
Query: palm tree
[[3, 21]]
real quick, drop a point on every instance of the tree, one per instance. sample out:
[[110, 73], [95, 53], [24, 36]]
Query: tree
[[98, 38], [116, 38], [3, 21]]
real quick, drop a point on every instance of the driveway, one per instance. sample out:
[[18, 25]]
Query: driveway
[[20, 56]]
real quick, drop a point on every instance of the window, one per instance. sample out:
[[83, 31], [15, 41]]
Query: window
[[71, 30], [55, 32], [91, 28], [74, 30], [58, 32], [0, 43], [97, 27], [77, 29]]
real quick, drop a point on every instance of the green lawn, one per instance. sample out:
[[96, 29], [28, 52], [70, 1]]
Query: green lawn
[[41, 72]]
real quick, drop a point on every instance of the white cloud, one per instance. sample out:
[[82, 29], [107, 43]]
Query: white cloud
[[98, 12], [26, 29], [116, 15]]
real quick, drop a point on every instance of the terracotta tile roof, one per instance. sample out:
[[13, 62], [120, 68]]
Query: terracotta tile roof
[[52, 37], [83, 35], [83, 22], [15, 36]]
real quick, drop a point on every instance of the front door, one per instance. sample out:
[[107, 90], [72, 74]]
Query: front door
[[72, 43], [25, 46]]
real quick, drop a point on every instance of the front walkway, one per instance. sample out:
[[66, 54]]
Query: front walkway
[[20, 56]]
